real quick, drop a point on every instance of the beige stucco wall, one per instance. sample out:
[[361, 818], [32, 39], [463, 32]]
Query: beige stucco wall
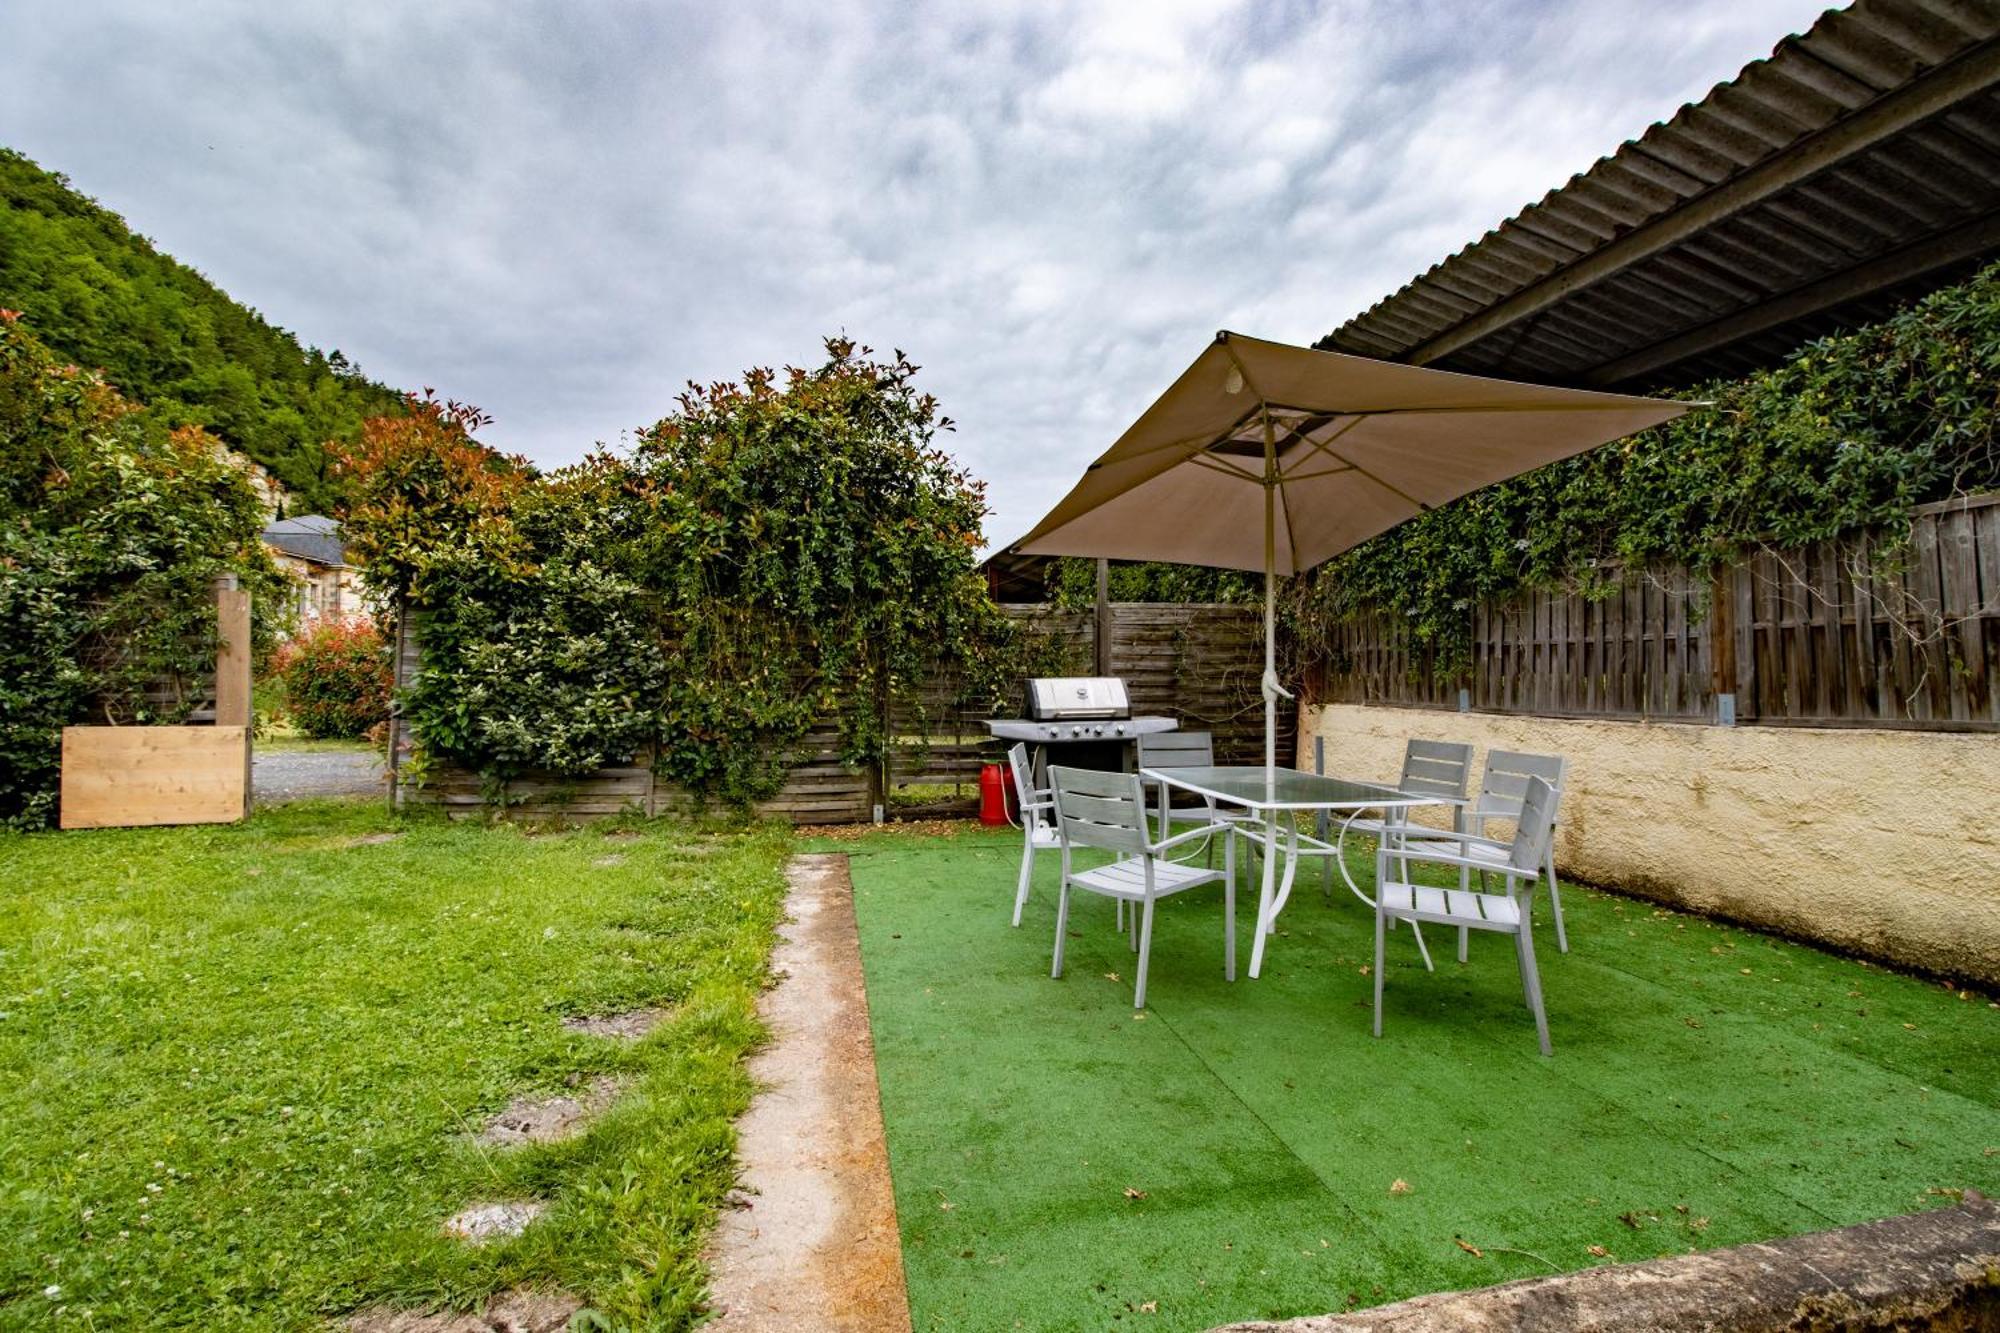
[[1882, 842]]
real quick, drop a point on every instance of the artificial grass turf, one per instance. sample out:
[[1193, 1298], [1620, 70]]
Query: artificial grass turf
[[1235, 1153], [238, 1064]]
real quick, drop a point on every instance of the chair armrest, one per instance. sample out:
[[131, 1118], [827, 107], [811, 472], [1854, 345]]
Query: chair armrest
[[1423, 833], [1400, 854], [1203, 831]]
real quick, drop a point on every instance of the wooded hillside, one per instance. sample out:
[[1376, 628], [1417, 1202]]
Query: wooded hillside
[[100, 294]]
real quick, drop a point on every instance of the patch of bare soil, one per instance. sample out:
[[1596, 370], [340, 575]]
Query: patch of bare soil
[[480, 1222], [811, 1241], [548, 1119], [517, 1311], [628, 1026]]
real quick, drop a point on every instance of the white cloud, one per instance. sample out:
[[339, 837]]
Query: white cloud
[[562, 212]]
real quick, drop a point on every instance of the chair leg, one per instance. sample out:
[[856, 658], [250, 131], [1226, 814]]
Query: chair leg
[[1027, 878], [1381, 930], [1145, 954], [1556, 905], [1062, 925], [1229, 910], [1464, 941], [1531, 982], [1418, 931]]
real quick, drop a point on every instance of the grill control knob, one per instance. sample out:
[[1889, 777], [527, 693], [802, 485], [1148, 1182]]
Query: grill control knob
[[1118, 730], [1076, 731]]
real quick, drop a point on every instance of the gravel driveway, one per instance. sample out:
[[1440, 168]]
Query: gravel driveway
[[287, 775]]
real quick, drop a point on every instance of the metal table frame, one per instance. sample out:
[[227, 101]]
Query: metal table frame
[[1274, 791]]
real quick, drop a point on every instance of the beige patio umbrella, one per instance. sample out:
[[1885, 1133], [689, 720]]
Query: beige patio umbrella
[[1265, 456]]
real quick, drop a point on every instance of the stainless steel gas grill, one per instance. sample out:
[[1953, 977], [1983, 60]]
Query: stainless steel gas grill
[[1088, 717]]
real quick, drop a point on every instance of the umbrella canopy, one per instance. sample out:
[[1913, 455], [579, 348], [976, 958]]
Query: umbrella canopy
[[1265, 456]]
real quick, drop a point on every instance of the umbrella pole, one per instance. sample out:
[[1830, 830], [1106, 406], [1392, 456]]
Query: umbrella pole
[[1270, 629]]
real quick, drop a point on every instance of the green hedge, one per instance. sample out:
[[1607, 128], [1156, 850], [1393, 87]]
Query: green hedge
[[112, 530]]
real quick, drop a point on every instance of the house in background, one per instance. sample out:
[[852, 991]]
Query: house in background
[[309, 548]]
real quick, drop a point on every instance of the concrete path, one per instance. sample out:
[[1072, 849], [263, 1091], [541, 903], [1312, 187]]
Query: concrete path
[[289, 775], [815, 1244]]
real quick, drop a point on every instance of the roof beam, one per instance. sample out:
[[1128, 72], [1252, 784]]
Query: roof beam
[[1889, 115], [1963, 242]]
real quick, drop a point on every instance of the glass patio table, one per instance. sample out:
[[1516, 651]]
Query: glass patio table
[[1273, 791]]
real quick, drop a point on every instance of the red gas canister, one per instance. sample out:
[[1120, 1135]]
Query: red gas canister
[[992, 794]]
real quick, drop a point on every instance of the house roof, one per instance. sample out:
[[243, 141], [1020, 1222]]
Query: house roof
[[312, 537], [1856, 166]]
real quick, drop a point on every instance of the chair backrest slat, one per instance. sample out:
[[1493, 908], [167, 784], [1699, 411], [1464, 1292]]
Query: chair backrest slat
[[1177, 749], [1505, 781], [1532, 827], [1105, 810], [1436, 768], [1017, 764]]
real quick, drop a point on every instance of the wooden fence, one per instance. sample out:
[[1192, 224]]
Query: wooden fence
[[1863, 631], [1196, 662]]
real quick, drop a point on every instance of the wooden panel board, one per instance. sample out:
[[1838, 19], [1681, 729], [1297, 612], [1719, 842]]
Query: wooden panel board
[[120, 777]]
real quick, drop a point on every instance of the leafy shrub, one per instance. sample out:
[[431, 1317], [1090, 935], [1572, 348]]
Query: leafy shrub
[[337, 678], [775, 553], [113, 529]]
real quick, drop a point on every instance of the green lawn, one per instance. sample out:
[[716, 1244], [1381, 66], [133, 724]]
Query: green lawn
[[1235, 1152], [238, 1064]]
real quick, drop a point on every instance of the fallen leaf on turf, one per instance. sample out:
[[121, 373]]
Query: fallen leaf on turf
[[1472, 1250], [1600, 1251], [1364, 971], [1692, 1022], [1111, 976], [1149, 1307], [1401, 1186], [1131, 1193]]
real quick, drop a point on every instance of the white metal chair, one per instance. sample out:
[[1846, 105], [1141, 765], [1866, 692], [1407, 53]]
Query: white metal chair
[[1397, 898], [1108, 811], [1430, 768], [1501, 789], [1038, 829]]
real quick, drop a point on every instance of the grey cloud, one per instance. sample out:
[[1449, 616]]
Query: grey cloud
[[563, 211]]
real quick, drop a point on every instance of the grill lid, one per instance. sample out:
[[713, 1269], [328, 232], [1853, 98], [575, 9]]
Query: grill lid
[[1053, 697]]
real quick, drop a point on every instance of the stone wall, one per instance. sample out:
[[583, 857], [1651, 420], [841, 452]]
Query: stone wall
[[1884, 843]]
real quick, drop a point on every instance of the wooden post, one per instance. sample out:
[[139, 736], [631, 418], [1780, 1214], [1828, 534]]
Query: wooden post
[[1103, 617], [232, 667], [1722, 645]]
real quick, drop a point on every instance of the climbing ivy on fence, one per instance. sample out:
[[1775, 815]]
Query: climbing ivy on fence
[[1851, 432], [788, 551]]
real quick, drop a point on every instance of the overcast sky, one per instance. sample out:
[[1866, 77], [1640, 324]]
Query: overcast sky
[[562, 211]]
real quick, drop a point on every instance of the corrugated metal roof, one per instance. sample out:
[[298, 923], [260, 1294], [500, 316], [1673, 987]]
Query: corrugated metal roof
[[1857, 165]]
